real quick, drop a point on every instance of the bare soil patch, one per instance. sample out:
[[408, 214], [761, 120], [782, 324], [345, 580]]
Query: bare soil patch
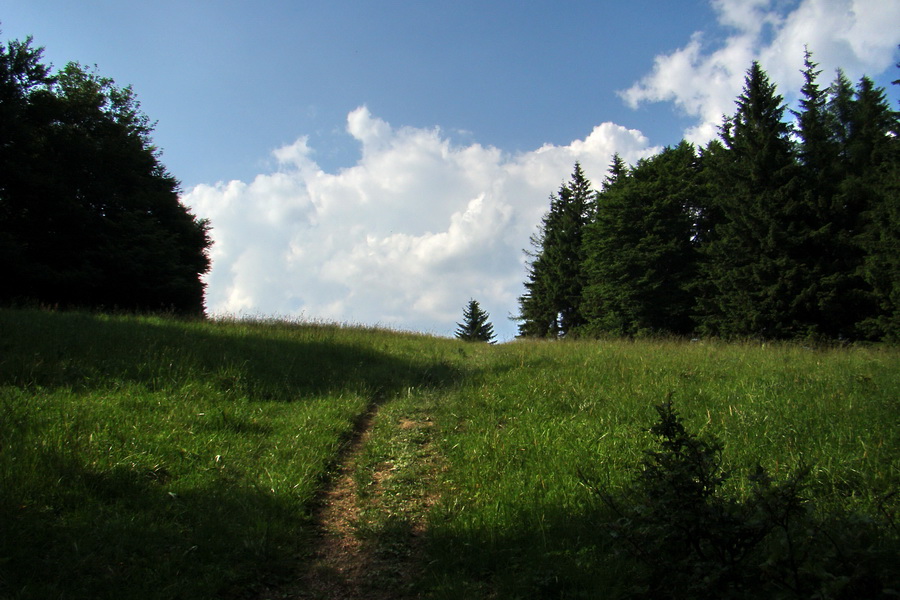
[[345, 565]]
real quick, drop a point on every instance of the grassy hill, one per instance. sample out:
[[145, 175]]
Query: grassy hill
[[144, 457]]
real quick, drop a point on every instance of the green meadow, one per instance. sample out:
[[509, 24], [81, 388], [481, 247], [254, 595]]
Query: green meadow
[[148, 457]]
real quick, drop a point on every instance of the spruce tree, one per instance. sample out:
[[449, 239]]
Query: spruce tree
[[538, 317], [881, 264], [873, 189], [618, 169], [640, 256], [817, 149], [826, 248], [753, 276], [706, 212], [475, 326], [550, 306]]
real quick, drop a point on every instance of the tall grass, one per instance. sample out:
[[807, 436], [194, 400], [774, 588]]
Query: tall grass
[[521, 435], [143, 457]]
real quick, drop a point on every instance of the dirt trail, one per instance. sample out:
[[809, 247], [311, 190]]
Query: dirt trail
[[343, 566]]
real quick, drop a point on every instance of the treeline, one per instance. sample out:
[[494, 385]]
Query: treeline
[[89, 217], [778, 229]]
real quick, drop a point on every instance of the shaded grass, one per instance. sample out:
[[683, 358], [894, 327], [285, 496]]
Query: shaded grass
[[150, 458]]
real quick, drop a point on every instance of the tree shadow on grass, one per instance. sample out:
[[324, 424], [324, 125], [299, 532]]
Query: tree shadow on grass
[[120, 534], [121, 531], [552, 553], [584, 554], [671, 532], [261, 361]]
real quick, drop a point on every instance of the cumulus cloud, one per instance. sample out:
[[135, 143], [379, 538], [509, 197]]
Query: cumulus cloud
[[419, 225], [702, 79], [403, 238]]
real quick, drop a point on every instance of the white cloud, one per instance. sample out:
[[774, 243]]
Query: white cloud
[[418, 225], [403, 238], [859, 36]]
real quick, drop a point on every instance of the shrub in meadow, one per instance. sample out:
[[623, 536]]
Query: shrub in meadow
[[686, 538]]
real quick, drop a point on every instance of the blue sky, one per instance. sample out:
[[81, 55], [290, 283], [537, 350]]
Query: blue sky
[[230, 81], [383, 162]]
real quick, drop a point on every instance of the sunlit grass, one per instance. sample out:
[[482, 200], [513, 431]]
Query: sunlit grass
[[147, 457], [520, 436]]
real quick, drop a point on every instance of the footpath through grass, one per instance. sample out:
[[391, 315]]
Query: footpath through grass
[[152, 458]]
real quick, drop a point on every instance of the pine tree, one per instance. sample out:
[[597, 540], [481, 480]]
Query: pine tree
[[550, 306], [538, 317], [639, 253], [826, 250], [618, 169], [753, 278], [707, 214], [817, 148], [872, 124], [873, 189], [881, 264], [475, 326]]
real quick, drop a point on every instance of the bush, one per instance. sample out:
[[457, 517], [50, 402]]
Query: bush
[[685, 538]]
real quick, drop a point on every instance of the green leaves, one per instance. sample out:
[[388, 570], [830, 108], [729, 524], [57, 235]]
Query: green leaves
[[89, 217]]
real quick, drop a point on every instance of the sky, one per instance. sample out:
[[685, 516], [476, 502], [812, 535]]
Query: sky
[[382, 162]]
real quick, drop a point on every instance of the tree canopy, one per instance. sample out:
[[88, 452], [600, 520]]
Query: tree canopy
[[777, 229], [551, 305], [752, 272], [639, 252], [89, 216]]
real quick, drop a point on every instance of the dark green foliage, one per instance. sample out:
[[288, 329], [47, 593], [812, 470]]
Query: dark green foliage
[[833, 296], [538, 316], [872, 189], [795, 223], [551, 305], [618, 169], [881, 263], [89, 217], [688, 539], [772, 232], [475, 326], [640, 250], [754, 273], [818, 148]]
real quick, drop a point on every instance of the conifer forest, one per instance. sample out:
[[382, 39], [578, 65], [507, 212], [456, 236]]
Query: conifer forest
[[785, 227]]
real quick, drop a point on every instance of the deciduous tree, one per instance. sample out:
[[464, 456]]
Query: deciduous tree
[[89, 216]]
